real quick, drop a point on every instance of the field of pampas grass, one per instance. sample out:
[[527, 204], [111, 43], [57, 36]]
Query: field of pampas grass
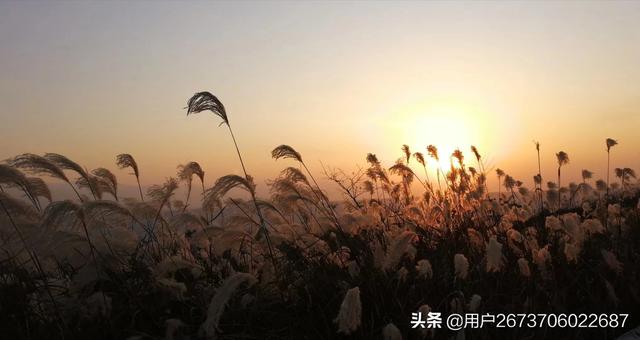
[[299, 265]]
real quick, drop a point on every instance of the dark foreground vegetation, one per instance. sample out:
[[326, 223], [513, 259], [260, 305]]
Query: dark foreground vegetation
[[296, 265]]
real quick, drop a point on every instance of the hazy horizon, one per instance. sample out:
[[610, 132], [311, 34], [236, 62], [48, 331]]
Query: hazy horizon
[[333, 80]]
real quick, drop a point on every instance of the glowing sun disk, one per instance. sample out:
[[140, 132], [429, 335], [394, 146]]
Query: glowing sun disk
[[446, 128]]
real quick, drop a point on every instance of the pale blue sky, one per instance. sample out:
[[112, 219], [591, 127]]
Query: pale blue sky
[[333, 79]]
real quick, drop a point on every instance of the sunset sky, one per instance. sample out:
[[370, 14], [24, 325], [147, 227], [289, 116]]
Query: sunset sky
[[334, 80]]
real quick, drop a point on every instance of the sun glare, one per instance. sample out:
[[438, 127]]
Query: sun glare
[[445, 125]]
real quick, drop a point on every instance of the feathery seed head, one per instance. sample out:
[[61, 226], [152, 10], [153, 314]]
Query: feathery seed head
[[424, 269], [350, 315], [407, 152], [38, 165], [563, 158], [391, 332], [65, 163], [601, 185], [495, 259], [537, 179], [509, 182], [373, 160], [419, 157], [457, 154], [220, 301], [285, 151], [476, 153], [228, 182], [294, 175], [523, 265], [474, 303], [203, 101], [433, 152], [163, 192], [461, 266], [125, 160], [612, 261]]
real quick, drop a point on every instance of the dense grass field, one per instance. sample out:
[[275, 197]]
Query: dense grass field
[[298, 265]]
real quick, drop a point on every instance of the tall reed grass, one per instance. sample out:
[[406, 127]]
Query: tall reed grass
[[296, 264]]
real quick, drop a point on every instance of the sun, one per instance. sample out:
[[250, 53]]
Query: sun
[[449, 123], [448, 126], [445, 127]]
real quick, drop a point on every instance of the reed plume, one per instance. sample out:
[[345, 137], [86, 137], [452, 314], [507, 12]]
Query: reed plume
[[510, 183], [350, 315], [401, 169], [407, 152], [474, 303], [125, 160], [476, 153], [65, 163], [586, 174], [375, 173], [420, 158], [563, 159], [228, 182], [373, 160], [461, 266], [91, 183], [285, 151], [397, 249], [32, 187], [38, 188], [612, 261], [41, 166], [16, 207], [432, 150], [206, 101], [391, 332], [610, 142], [59, 212], [185, 174], [500, 173], [294, 175], [106, 181], [624, 174], [220, 300], [495, 259], [11, 176], [424, 269], [523, 266], [538, 177], [459, 156], [162, 194], [407, 176]]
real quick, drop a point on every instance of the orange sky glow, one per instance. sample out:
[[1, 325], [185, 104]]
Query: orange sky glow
[[333, 80]]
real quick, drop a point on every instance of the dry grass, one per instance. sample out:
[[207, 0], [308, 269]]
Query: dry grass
[[299, 265]]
